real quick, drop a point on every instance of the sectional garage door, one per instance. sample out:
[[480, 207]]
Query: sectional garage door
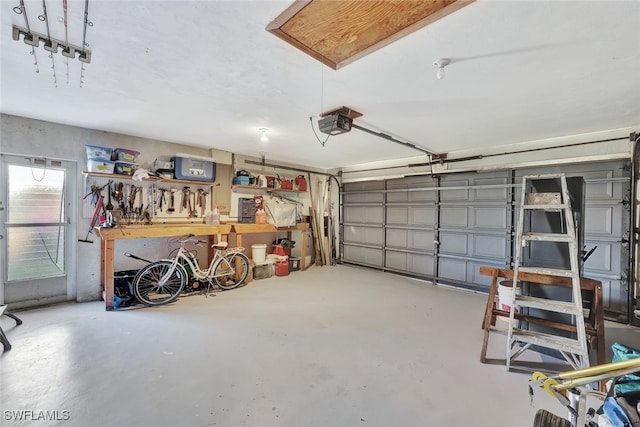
[[445, 229]]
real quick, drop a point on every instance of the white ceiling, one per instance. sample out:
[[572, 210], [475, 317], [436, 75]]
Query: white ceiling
[[206, 73]]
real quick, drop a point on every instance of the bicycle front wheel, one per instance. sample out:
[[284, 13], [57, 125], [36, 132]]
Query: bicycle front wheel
[[231, 271], [148, 289]]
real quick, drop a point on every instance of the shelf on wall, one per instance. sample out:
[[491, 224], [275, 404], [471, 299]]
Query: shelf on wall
[[151, 178], [265, 189]]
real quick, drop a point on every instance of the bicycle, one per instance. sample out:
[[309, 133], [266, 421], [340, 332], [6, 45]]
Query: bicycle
[[161, 282]]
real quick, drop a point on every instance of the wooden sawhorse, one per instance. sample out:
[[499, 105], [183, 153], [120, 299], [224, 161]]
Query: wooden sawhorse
[[3, 338], [592, 298]]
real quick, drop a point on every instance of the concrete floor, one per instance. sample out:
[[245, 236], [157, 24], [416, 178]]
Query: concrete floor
[[332, 346]]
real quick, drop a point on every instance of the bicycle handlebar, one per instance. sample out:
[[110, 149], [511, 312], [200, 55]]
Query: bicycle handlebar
[[194, 241]]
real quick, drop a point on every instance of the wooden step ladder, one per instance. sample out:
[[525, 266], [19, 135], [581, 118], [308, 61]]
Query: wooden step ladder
[[574, 350]]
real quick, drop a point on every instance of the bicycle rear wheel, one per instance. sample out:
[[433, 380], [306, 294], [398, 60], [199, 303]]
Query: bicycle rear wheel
[[231, 271], [147, 289]]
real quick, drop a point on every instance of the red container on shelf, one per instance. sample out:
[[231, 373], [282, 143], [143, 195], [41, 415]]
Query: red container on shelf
[[301, 183], [282, 268]]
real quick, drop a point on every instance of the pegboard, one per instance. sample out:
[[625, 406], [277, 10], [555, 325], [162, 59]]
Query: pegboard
[[130, 199]]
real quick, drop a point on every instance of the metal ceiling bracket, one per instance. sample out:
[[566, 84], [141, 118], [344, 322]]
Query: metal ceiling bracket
[[51, 44]]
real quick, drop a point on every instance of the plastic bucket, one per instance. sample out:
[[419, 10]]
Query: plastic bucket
[[505, 295], [259, 253]]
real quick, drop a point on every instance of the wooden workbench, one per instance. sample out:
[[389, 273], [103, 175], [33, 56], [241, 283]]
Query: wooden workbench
[[110, 235], [241, 228]]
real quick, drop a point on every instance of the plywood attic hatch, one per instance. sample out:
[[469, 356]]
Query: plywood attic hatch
[[337, 33]]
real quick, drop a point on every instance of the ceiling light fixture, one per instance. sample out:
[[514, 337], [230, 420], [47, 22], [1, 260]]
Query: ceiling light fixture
[[440, 64], [264, 137]]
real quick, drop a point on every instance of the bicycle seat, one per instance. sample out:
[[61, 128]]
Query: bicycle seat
[[220, 245]]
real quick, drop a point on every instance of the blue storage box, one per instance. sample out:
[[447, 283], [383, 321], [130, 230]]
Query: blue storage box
[[96, 152], [240, 180], [194, 168]]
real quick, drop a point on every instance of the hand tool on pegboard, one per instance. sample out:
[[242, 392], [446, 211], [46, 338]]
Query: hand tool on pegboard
[[171, 207]]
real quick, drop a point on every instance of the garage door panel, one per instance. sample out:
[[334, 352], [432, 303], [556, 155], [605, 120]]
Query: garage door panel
[[491, 194], [413, 184], [604, 260], [397, 215], [422, 240], [364, 235], [490, 218], [454, 195], [599, 220], [364, 214], [602, 191], [358, 254], [453, 243], [490, 247], [422, 196], [396, 260], [454, 216], [410, 239], [422, 216], [453, 269], [419, 264]]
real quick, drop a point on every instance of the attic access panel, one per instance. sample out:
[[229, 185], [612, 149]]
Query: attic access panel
[[337, 33]]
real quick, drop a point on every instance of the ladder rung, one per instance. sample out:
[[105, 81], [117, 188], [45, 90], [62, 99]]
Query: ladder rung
[[548, 271], [550, 341], [549, 237], [543, 176], [546, 207], [548, 305]]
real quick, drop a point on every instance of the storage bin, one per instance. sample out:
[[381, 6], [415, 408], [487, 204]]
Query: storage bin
[[195, 169], [125, 168], [123, 288], [100, 166], [125, 155], [240, 180], [294, 264], [264, 271], [96, 152]]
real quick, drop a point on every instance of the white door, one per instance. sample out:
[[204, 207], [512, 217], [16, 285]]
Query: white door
[[37, 226]]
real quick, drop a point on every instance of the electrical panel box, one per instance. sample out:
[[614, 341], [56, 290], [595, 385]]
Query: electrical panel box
[[194, 168]]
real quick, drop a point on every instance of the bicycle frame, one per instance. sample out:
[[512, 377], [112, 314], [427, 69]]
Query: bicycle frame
[[197, 272]]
